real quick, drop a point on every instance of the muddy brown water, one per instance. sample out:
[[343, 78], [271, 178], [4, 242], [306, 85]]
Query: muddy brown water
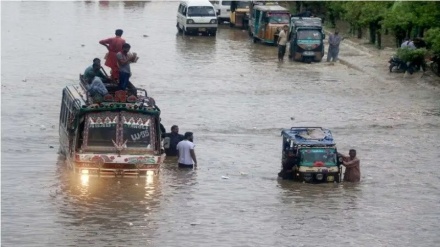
[[236, 98]]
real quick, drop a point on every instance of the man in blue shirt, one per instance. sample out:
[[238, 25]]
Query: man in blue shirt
[[97, 88], [173, 139]]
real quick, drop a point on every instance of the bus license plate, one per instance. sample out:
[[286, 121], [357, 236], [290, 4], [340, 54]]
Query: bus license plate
[[202, 29], [330, 178]]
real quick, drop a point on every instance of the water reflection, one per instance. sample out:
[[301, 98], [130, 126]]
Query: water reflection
[[134, 4], [178, 178], [103, 3], [111, 204], [332, 195]]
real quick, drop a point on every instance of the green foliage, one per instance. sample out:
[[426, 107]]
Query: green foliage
[[432, 37], [411, 55]]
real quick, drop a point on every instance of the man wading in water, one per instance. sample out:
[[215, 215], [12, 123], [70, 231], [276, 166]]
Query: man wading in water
[[352, 169]]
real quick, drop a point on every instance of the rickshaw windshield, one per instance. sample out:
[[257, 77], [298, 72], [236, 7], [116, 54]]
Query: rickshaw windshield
[[308, 157], [242, 4], [201, 11], [309, 34], [278, 18]]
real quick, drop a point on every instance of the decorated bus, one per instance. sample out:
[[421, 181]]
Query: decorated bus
[[116, 136]]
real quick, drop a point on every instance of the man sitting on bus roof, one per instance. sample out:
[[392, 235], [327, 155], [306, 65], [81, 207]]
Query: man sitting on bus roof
[[97, 89], [94, 70]]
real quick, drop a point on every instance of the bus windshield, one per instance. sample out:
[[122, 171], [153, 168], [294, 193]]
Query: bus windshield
[[137, 130], [309, 156], [100, 134]]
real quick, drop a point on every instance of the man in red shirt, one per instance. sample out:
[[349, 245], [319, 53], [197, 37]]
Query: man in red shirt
[[114, 45]]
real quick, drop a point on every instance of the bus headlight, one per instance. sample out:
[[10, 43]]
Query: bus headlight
[[150, 173], [84, 171], [213, 21], [189, 21]]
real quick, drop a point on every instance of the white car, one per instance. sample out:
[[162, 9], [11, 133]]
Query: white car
[[197, 16]]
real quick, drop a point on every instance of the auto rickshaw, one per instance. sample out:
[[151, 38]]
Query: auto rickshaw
[[309, 155], [239, 16], [266, 21]]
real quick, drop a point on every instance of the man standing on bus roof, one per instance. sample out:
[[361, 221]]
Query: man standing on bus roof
[[94, 70], [114, 45], [352, 167], [282, 42], [186, 154], [124, 59]]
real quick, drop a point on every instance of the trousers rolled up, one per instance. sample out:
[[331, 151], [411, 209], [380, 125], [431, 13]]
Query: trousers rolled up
[[332, 53], [281, 51]]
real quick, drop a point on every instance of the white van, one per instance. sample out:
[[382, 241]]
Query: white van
[[223, 9], [197, 16]]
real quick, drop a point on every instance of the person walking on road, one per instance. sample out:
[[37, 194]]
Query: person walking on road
[[282, 42], [186, 154], [333, 49]]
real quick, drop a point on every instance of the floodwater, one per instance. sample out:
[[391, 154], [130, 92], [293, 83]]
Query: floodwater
[[236, 98]]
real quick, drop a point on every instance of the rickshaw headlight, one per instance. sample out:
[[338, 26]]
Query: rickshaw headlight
[[213, 21], [307, 177], [319, 176], [189, 21]]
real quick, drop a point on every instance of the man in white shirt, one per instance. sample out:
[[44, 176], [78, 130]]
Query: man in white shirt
[[282, 42], [408, 43], [186, 154]]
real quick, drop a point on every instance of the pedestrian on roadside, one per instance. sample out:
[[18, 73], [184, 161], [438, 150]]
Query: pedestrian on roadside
[[186, 155], [282, 42], [333, 49], [408, 43], [352, 166], [113, 45]]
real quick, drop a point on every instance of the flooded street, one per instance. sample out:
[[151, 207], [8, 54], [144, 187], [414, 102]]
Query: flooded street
[[236, 98]]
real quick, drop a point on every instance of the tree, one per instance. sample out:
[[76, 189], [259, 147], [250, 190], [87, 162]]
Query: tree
[[372, 16], [352, 14], [433, 39]]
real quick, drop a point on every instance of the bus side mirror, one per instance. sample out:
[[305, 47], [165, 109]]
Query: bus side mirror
[[323, 36]]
